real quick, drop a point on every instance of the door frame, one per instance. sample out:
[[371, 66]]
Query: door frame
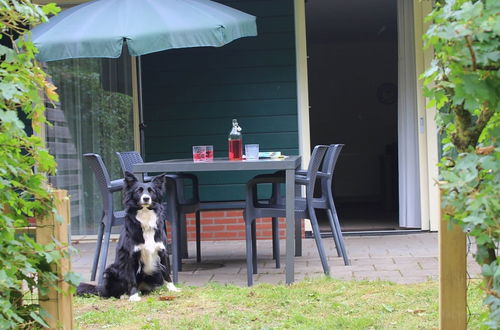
[[428, 133]]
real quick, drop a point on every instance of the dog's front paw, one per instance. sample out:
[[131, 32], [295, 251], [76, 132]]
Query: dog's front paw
[[134, 297], [172, 287]]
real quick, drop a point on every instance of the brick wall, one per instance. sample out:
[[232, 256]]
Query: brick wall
[[229, 225]]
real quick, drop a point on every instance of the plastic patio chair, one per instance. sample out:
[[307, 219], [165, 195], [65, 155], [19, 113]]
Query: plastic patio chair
[[109, 217], [273, 208], [183, 205], [325, 200]]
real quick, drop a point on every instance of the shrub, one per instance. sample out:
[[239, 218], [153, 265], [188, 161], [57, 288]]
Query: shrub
[[25, 266], [463, 83]]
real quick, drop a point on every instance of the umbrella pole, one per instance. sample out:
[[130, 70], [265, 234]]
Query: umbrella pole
[[142, 126]]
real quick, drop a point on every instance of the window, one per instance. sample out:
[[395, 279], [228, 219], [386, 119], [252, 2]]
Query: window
[[95, 114]]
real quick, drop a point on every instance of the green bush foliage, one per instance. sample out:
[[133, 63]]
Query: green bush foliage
[[463, 83], [25, 266]]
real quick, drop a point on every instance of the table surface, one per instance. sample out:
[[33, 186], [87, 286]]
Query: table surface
[[218, 164]]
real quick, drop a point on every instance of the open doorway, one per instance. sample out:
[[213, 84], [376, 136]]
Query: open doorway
[[353, 77]]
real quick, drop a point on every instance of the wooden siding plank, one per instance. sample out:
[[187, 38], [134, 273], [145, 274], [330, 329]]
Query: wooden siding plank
[[219, 109], [238, 75], [275, 24], [194, 59], [267, 8], [229, 92]]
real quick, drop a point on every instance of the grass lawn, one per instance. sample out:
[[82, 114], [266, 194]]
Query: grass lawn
[[322, 303]]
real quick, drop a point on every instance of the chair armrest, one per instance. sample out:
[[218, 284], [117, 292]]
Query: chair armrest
[[266, 178], [301, 172], [116, 185], [301, 180], [322, 175], [251, 186]]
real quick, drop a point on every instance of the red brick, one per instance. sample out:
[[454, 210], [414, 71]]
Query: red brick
[[238, 213], [214, 228], [264, 233], [213, 214], [235, 228], [206, 235], [226, 221], [207, 221], [227, 234]]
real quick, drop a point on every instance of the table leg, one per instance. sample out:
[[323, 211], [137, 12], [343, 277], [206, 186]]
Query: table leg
[[174, 225], [298, 227], [175, 252], [290, 225], [183, 252]]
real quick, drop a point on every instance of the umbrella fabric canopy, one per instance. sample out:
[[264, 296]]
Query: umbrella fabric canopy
[[99, 28]]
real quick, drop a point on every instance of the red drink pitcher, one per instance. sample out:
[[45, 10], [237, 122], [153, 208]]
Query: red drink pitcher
[[235, 142]]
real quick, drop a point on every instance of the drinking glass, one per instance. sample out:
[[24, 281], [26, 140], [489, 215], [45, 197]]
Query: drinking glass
[[199, 154], [252, 151]]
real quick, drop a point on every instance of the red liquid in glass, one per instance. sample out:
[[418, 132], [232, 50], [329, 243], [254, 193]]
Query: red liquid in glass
[[199, 157], [235, 149]]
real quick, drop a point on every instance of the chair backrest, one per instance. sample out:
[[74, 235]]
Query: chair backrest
[[317, 156], [327, 168], [102, 177], [331, 159], [128, 159]]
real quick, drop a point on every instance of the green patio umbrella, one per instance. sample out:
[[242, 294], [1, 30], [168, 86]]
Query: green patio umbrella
[[100, 28]]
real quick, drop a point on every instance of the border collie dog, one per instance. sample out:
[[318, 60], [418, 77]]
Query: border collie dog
[[141, 263]]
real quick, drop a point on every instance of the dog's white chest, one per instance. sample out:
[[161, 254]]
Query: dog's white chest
[[149, 250]]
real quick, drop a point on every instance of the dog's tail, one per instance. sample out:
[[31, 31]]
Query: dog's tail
[[85, 288]]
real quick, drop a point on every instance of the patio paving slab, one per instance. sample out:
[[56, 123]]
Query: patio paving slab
[[406, 258]]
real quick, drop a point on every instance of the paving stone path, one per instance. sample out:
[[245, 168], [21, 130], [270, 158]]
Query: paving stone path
[[406, 258]]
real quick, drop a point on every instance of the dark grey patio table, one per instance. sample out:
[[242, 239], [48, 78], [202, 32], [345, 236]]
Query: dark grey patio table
[[288, 164]]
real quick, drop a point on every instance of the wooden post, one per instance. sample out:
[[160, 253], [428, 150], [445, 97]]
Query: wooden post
[[452, 277], [58, 304]]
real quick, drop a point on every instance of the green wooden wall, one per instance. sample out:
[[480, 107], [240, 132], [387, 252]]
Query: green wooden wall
[[191, 95]]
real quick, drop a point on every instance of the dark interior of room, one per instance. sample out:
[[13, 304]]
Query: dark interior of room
[[352, 69]]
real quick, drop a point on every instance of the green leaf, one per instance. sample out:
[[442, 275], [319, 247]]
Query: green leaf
[[39, 320], [9, 54], [73, 278], [474, 220], [11, 118]]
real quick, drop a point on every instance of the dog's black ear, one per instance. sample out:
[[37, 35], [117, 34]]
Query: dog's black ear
[[129, 179], [158, 181]]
